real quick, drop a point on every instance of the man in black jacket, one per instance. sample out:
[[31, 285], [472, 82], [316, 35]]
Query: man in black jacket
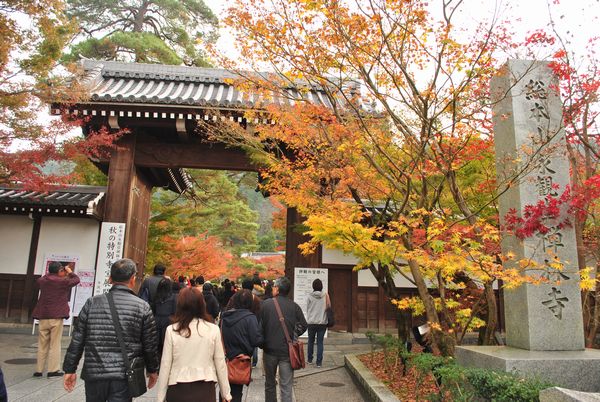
[[103, 366], [150, 284], [276, 353]]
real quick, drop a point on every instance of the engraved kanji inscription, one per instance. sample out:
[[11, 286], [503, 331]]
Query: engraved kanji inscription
[[556, 303]]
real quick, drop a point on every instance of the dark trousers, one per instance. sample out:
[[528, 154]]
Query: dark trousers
[[255, 357], [197, 391], [236, 392], [319, 331], [107, 391], [286, 378], [3, 394]]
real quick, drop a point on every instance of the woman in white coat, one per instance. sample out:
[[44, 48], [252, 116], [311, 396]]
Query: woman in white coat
[[193, 360]]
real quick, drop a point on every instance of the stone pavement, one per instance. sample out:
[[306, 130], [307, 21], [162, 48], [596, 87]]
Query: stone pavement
[[332, 382]]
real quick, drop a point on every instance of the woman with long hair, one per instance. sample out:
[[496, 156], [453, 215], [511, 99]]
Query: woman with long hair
[[186, 376], [241, 333]]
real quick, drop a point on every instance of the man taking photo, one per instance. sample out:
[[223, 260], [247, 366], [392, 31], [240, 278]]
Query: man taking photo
[[51, 309]]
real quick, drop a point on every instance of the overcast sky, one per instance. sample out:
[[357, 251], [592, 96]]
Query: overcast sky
[[578, 17]]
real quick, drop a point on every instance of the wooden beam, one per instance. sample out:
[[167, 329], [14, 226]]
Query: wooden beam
[[28, 292], [120, 177], [192, 155]]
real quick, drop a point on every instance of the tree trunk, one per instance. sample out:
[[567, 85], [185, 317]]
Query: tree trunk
[[441, 343], [492, 314], [592, 330], [138, 22], [403, 318], [386, 280]]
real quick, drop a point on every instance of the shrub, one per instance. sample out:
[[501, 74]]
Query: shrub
[[461, 384]]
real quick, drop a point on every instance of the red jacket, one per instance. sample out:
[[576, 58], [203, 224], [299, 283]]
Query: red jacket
[[54, 296]]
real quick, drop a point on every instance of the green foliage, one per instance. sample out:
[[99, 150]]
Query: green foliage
[[456, 383], [146, 46], [147, 31], [504, 387], [216, 209], [267, 242], [87, 173]]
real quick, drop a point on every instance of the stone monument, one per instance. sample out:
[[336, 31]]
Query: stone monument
[[544, 323]]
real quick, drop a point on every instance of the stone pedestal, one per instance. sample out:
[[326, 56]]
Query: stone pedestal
[[573, 369]]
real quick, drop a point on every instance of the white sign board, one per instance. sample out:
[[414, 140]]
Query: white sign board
[[84, 291], [303, 279], [110, 249]]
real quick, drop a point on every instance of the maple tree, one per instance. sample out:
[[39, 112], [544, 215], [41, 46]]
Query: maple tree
[[35, 33], [197, 255], [418, 165], [213, 208]]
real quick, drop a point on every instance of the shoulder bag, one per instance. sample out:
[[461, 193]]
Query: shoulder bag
[[239, 370], [134, 369], [295, 347], [329, 312]]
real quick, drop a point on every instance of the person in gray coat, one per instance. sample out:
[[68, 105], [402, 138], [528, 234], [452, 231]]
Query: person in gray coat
[[316, 318]]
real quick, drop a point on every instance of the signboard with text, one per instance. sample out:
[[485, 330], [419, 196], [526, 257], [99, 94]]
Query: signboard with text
[[110, 249], [85, 290], [303, 279]]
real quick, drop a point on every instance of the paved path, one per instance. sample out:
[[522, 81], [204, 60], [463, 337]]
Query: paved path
[[329, 383]]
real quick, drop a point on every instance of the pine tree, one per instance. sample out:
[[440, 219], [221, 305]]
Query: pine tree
[[145, 31]]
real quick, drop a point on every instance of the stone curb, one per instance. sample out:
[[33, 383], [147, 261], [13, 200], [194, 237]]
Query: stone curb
[[374, 390]]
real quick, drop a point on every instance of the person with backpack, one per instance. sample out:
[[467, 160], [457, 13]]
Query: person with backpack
[[148, 289]]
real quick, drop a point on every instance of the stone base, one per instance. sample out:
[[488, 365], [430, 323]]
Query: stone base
[[577, 370], [556, 394]]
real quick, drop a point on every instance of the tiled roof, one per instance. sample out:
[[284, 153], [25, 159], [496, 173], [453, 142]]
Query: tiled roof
[[75, 200], [117, 82]]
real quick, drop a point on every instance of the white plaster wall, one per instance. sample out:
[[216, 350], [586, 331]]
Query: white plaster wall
[[75, 236], [15, 240], [330, 256], [366, 278]]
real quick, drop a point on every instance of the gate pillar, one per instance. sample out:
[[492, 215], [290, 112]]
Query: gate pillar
[[128, 200], [293, 257]]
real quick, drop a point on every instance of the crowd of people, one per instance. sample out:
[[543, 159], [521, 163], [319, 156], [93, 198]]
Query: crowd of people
[[186, 332]]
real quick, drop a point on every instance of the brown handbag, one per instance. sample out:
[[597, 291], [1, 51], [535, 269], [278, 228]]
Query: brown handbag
[[239, 369], [295, 348]]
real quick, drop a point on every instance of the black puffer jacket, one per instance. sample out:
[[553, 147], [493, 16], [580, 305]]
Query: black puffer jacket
[[241, 333], [95, 333]]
